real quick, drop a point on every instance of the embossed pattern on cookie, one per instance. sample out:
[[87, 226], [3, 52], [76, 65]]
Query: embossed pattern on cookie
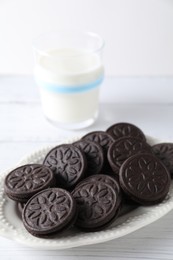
[[100, 137], [97, 204], [110, 180], [49, 211], [123, 148], [24, 181], [145, 179], [125, 129], [68, 164]]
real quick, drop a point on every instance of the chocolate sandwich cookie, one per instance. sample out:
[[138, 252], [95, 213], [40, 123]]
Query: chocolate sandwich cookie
[[49, 212], [164, 151], [104, 140], [68, 164], [100, 137], [25, 181], [94, 155], [145, 179], [125, 129], [110, 180], [98, 205], [123, 148]]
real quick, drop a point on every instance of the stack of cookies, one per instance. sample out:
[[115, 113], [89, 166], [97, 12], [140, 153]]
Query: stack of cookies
[[87, 183]]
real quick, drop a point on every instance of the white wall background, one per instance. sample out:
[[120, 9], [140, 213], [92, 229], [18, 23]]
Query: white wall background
[[138, 33]]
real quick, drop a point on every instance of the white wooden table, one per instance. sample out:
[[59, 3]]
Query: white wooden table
[[145, 102]]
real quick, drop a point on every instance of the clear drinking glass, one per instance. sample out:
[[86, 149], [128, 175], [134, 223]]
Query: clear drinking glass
[[69, 71]]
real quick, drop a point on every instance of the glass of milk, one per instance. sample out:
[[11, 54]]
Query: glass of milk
[[69, 71]]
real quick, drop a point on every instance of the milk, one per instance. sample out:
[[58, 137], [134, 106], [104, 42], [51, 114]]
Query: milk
[[69, 82]]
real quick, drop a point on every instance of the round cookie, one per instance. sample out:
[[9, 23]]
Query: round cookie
[[125, 129], [123, 148], [25, 181], [68, 164], [104, 140], [164, 151], [145, 179], [48, 212], [113, 181], [110, 180], [94, 155], [98, 205], [100, 137]]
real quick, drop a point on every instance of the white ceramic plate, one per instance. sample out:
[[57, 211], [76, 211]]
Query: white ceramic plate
[[11, 225]]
